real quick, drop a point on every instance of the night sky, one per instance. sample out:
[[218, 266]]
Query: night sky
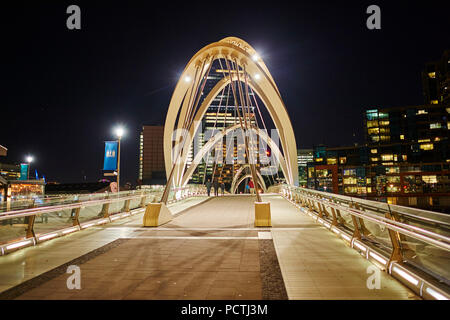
[[63, 91]]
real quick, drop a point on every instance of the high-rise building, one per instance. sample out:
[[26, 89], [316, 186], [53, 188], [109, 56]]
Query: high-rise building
[[304, 156], [436, 81], [221, 114], [151, 155]]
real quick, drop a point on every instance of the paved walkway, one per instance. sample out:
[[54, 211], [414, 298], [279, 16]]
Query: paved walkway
[[208, 251]]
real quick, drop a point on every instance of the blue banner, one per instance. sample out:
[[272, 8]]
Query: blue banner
[[23, 171], [110, 162]]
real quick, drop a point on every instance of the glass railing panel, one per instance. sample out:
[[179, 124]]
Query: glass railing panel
[[135, 203], [116, 206], [53, 221], [13, 229], [427, 257], [90, 213]]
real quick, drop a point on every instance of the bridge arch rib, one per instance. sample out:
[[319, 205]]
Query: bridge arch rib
[[260, 80]]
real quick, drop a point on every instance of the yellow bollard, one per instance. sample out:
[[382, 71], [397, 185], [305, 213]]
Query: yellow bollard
[[156, 214], [262, 214]]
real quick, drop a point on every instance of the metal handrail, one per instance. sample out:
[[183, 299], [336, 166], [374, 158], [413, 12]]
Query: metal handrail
[[48, 209], [383, 220], [439, 218]]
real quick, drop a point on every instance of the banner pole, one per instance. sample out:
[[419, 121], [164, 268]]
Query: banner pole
[[118, 167]]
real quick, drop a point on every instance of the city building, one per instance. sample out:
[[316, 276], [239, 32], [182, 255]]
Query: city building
[[436, 81], [14, 184], [405, 159], [151, 155], [304, 156], [221, 114]]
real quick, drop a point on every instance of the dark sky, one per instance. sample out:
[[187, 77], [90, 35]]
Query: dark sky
[[63, 91]]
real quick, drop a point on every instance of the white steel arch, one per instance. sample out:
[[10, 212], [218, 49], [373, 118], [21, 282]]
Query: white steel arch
[[260, 79]]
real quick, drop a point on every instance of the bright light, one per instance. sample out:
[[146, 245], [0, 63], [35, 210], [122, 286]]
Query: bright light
[[436, 294], [378, 258], [360, 246], [30, 159], [69, 230], [257, 76], [48, 236], [406, 276], [187, 79], [120, 131], [255, 57], [18, 244], [346, 237]]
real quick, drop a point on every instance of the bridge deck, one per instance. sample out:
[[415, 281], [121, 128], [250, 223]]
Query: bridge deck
[[208, 251]]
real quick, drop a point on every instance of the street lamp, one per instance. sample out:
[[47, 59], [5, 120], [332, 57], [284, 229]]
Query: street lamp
[[119, 133], [29, 160]]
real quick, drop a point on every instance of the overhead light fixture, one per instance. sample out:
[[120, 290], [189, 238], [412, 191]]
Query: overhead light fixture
[[255, 57], [257, 76], [187, 79]]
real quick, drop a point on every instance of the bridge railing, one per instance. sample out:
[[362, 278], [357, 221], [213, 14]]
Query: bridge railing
[[40, 222], [411, 244]]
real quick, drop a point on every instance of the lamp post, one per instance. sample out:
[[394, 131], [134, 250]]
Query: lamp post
[[29, 160], [119, 134]]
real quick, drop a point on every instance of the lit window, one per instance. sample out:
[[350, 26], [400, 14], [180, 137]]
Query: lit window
[[331, 161], [432, 75], [427, 146], [319, 159], [434, 101], [422, 112], [342, 160], [429, 179], [435, 125], [424, 140], [371, 124], [372, 131], [373, 151], [387, 157], [405, 157], [374, 159], [402, 137]]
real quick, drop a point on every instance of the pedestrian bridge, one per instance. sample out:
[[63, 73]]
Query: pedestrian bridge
[[320, 246]]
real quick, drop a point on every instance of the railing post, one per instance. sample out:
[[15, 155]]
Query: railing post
[[324, 211], [319, 208], [142, 204], [29, 220], [364, 230], [75, 214], [397, 254], [105, 210], [356, 233], [333, 213], [126, 206]]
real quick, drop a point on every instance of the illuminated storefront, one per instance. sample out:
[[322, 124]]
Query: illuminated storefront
[[26, 189]]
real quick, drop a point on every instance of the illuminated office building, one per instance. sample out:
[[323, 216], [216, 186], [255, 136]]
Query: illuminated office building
[[151, 155]]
